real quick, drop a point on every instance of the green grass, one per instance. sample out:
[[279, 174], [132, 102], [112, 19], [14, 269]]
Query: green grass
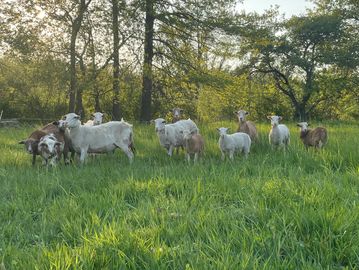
[[294, 210]]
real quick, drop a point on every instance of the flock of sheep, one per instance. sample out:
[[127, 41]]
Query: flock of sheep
[[70, 136]]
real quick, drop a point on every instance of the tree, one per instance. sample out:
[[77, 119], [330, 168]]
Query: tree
[[293, 53]]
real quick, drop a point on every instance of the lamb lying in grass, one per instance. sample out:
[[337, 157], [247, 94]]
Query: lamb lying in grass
[[231, 143], [193, 143], [316, 137]]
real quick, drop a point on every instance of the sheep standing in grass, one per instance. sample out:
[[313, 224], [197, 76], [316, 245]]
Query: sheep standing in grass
[[316, 137], [170, 135], [194, 144], [32, 142], [50, 148], [279, 134], [97, 119], [231, 143], [246, 126], [103, 138]]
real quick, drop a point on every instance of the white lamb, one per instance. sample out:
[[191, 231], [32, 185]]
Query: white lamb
[[279, 135], [171, 135], [99, 139], [231, 143], [97, 119]]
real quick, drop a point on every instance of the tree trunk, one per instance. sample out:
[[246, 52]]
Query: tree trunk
[[116, 110], [147, 63], [79, 105], [300, 113], [75, 28], [73, 80]]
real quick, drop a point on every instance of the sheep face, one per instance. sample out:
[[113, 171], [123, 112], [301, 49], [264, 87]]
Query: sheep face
[[222, 131], [61, 124], [48, 146], [303, 126], [241, 114], [274, 119], [159, 124], [97, 118], [177, 112], [72, 120], [30, 145]]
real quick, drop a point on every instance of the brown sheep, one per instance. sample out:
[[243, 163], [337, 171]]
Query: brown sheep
[[194, 144], [246, 126], [316, 137]]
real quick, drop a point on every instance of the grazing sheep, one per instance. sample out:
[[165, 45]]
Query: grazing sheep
[[97, 119], [316, 137], [194, 144], [170, 135], [176, 114], [279, 134], [32, 142], [231, 143], [99, 139], [246, 126], [50, 148]]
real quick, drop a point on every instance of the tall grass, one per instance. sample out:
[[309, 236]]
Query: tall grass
[[275, 210]]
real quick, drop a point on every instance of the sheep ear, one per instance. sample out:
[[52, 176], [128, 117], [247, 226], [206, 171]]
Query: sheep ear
[[269, 117], [56, 123], [280, 118], [22, 142], [298, 125], [246, 113], [181, 110], [235, 112]]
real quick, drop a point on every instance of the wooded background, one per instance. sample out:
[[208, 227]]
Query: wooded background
[[137, 59]]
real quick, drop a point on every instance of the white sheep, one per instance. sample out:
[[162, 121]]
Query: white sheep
[[99, 139], [279, 135], [170, 135], [193, 143], [316, 137], [97, 119], [50, 148], [246, 126], [231, 143]]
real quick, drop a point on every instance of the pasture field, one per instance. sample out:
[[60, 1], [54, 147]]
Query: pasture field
[[294, 210]]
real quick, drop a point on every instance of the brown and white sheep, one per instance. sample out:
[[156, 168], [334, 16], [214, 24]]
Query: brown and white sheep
[[246, 126], [32, 142], [193, 143], [316, 137], [50, 148]]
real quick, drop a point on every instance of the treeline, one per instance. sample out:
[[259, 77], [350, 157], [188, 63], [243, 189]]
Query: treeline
[[138, 59]]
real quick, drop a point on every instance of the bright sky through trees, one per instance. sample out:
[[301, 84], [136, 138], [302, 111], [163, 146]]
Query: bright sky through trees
[[288, 7]]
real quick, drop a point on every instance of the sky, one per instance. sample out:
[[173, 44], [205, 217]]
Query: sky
[[289, 7]]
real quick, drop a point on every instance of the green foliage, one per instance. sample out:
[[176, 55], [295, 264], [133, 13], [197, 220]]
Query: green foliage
[[296, 210]]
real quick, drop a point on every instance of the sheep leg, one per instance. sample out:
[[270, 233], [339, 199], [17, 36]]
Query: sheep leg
[[126, 150], [195, 157], [231, 153], [170, 150], [188, 157], [33, 159], [223, 155], [83, 155]]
